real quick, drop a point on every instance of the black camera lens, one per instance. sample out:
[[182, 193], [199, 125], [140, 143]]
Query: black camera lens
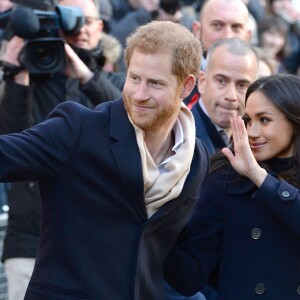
[[43, 57]]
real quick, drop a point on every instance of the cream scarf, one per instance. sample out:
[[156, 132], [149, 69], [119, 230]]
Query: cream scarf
[[161, 188]]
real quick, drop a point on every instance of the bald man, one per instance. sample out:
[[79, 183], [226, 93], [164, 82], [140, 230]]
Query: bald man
[[219, 19]]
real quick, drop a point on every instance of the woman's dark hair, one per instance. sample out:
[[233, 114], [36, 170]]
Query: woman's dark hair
[[271, 23], [283, 91]]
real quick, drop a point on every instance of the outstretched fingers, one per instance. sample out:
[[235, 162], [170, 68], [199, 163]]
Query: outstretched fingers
[[239, 132]]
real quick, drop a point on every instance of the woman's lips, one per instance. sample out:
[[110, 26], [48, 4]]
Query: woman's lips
[[256, 146]]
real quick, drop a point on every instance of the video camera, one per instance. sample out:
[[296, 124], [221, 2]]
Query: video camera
[[39, 22]]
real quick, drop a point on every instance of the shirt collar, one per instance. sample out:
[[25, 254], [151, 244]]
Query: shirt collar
[[205, 111], [178, 134]]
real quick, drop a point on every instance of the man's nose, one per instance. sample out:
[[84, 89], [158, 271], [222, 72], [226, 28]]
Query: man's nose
[[142, 92], [228, 33], [231, 93]]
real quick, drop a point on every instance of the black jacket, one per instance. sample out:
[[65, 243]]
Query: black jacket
[[96, 240], [20, 108], [206, 130]]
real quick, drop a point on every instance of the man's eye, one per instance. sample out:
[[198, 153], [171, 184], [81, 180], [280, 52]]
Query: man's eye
[[220, 80], [217, 25], [236, 27], [155, 83], [134, 78]]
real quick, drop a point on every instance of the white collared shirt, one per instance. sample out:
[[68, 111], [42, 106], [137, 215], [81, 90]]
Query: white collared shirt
[[178, 132]]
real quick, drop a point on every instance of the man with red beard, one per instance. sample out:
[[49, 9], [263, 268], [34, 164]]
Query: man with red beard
[[117, 182]]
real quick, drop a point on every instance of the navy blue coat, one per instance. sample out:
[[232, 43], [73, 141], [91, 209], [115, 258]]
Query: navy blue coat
[[96, 240], [253, 234], [206, 130]]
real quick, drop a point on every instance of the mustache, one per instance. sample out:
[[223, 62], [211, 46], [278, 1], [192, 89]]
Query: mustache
[[140, 103]]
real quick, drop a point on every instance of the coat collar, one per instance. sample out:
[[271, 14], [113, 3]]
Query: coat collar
[[206, 130], [127, 156]]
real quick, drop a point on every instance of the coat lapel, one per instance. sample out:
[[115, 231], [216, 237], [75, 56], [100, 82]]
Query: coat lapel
[[128, 159], [206, 130]]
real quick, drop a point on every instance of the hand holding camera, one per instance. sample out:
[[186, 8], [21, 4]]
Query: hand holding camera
[[10, 57], [12, 51], [76, 68], [44, 50]]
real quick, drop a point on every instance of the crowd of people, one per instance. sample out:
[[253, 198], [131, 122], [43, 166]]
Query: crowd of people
[[152, 166]]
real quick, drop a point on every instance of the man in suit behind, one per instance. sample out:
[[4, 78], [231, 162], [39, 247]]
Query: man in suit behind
[[231, 68], [219, 19], [117, 182]]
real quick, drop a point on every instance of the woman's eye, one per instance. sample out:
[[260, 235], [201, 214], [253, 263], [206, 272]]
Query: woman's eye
[[264, 120], [246, 120]]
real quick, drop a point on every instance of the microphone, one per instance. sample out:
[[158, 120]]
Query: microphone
[[24, 22]]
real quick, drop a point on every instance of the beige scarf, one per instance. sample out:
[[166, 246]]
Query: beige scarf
[[161, 188]]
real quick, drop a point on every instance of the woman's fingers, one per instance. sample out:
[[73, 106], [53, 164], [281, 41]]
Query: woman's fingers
[[227, 152]]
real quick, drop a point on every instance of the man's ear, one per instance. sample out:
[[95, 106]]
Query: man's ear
[[188, 86], [201, 82], [196, 26], [249, 35], [251, 27], [100, 25]]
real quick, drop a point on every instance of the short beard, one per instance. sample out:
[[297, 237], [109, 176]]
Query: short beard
[[162, 118]]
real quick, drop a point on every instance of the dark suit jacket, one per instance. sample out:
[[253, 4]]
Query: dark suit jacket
[[96, 240], [206, 130], [253, 233]]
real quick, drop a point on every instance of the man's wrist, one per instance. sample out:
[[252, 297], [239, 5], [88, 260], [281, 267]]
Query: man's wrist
[[22, 78], [9, 70], [86, 77]]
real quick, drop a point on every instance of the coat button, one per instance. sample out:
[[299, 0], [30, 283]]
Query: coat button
[[260, 288], [298, 290], [285, 194], [31, 184], [256, 233]]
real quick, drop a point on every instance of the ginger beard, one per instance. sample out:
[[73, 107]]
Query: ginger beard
[[154, 115]]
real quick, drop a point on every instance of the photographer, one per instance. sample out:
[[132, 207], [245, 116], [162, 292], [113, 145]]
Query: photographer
[[83, 82]]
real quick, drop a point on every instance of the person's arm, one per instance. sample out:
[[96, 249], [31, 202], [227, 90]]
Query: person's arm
[[43, 150], [15, 108], [100, 89], [95, 85], [282, 198]]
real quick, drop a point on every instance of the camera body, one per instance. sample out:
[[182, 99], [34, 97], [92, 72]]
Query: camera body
[[44, 50]]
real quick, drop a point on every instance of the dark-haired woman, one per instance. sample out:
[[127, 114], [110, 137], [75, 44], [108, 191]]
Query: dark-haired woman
[[246, 223]]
